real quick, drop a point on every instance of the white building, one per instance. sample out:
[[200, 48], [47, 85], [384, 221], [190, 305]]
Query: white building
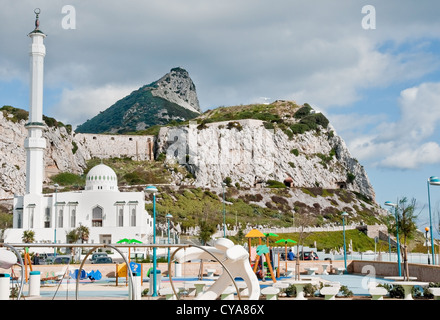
[[109, 214]]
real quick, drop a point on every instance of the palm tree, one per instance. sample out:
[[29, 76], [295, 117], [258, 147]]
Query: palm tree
[[28, 236], [83, 233]]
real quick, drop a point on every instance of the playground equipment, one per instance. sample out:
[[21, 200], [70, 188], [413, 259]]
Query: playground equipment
[[234, 260], [229, 256], [121, 271], [261, 250]]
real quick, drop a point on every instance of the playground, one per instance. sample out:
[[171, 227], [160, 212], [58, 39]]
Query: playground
[[222, 272]]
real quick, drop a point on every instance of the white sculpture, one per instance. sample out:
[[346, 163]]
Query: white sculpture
[[234, 257], [7, 259]]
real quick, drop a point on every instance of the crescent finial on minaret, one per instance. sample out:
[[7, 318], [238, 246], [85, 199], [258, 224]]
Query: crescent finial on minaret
[[37, 21]]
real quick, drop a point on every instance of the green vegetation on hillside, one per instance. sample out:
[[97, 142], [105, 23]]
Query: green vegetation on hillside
[[16, 114], [138, 107], [284, 115]]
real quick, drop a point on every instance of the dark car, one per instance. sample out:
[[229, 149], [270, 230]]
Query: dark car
[[308, 255], [60, 260], [101, 260], [97, 255]]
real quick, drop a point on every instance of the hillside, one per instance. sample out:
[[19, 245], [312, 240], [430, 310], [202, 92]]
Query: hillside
[[254, 149], [274, 205], [172, 97]]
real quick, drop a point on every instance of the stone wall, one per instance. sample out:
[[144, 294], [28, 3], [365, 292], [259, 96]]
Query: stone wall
[[422, 272], [136, 147]]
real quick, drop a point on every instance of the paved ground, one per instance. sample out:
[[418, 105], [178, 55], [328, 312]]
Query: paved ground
[[107, 289]]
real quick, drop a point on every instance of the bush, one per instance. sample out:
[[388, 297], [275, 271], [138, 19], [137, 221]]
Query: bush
[[350, 177], [303, 111], [275, 184], [67, 179], [234, 124], [299, 128]]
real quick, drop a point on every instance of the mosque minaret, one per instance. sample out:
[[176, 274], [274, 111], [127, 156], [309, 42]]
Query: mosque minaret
[[35, 143]]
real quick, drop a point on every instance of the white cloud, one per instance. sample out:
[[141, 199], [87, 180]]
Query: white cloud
[[409, 142], [412, 156], [338, 84], [79, 104]]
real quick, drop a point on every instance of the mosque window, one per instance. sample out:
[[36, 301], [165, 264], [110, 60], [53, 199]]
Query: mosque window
[[97, 217], [73, 218], [31, 217], [133, 217], [20, 219], [120, 217], [60, 218], [47, 218]]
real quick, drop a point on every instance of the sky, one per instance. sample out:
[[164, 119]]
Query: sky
[[372, 67]]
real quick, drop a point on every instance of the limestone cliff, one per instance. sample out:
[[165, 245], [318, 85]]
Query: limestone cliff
[[249, 152], [245, 153], [59, 155]]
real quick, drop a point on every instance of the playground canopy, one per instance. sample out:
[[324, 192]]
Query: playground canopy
[[254, 233], [285, 241]]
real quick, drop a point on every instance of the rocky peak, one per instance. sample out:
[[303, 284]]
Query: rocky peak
[[172, 97], [177, 87]]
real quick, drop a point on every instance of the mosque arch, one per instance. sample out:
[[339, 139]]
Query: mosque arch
[[97, 216]]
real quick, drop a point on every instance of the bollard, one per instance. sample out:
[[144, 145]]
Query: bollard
[[158, 282], [5, 280], [178, 270], [34, 283], [137, 287]]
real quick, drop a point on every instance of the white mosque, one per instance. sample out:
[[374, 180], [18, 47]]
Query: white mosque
[[109, 214]]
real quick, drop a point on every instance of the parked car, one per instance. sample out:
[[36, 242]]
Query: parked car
[[60, 260], [97, 255], [101, 260], [46, 258], [308, 255]]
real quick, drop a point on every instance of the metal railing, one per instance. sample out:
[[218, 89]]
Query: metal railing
[[115, 247]]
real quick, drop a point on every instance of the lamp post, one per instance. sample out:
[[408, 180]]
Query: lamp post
[[389, 203], [153, 190], [56, 185], [168, 217], [344, 214], [224, 211], [427, 246], [435, 181]]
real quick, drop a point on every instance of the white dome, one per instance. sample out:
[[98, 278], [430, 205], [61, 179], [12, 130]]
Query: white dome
[[101, 177]]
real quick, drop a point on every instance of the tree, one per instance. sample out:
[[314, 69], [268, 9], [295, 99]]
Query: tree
[[207, 223], [81, 233], [302, 220], [5, 221], [28, 236], [407, 227]]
